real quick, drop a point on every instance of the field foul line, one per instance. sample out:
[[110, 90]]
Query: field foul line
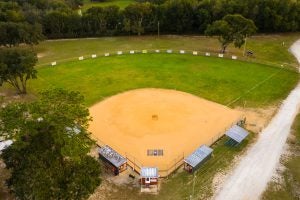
[[254, 87]]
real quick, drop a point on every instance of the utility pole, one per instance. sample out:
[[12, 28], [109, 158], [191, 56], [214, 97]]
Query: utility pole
[[245, 46], [158, 28]]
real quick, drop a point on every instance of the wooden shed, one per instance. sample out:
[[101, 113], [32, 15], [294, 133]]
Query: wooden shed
[[113, 161]]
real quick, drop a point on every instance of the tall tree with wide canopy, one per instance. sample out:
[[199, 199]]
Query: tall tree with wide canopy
[[134, 17], [17, 67], [231, 29], [48, 158]]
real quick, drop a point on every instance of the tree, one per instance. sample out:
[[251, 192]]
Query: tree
[[52, 133], [95, 20], [232, 28], [179, 15], [14, 34], [135, 15], [17, 67]]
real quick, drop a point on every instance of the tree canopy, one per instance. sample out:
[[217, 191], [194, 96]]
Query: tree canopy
[[60, 19], [134, 17], [17, 67], [231, 29], [14, 34], [52, 134]]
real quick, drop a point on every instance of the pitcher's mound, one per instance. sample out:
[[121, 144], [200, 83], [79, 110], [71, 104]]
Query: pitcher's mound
[[158, 127]]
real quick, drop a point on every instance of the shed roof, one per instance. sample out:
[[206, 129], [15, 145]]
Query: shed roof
[[237, 133], [149, 172], [198, 155], [112, 156], [4, 144]]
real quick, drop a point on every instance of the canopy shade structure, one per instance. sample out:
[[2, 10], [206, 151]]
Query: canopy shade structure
[[112, 156], [237, 133], [149, 172], [197, 157]]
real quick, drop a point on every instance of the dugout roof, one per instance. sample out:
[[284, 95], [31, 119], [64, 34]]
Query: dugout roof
[[198, 156], [112, 156], [237, 133]]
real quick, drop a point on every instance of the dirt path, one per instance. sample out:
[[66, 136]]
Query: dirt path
[[250, 177]]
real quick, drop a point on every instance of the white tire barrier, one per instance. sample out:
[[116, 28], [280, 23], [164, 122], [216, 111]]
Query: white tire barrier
[[106, 54], [234, 57], [221, 55], [144, 51], [195, 53], [80, 58], [119, 52], [182, 52], [53, 63], [94, 56], [169, 51], [131, 52], [207, 54]]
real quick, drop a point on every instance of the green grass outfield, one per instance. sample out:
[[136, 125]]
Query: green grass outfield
[[216, 79]]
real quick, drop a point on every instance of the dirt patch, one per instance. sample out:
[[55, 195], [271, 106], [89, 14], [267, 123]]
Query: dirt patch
[[258, 118], [175, 122], [41, 55], [9, 95]]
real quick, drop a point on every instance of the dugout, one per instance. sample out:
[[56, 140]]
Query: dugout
[[197, 158], [113, 161], [236, 135]]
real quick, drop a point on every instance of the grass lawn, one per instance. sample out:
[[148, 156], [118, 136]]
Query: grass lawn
[[216, 79], [289, 187], [267, 49], [121, 3]]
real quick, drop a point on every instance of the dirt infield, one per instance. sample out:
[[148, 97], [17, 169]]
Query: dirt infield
[[148, 119]]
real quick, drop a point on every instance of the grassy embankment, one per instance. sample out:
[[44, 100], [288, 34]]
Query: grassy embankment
[[267, 49]]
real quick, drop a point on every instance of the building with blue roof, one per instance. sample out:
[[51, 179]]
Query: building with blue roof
[[198, 157], [236, 134]]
